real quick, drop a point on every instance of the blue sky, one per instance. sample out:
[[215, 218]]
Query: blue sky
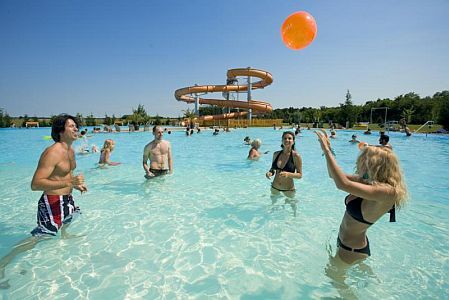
[[109, 56]]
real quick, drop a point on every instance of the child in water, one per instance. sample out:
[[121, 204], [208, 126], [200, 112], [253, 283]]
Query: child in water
[[105, 155]]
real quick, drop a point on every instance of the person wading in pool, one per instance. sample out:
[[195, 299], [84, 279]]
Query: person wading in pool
[[286, 166], [105, 154], [158, 152], [54, 176], [376, 188]]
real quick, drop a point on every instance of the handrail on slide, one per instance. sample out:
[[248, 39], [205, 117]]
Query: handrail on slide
[[185, 94]]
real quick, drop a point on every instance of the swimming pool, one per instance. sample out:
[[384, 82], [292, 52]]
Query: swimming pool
[[211, 230]]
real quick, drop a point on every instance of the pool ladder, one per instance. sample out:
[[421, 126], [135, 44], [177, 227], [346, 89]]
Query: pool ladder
[[428, 122]]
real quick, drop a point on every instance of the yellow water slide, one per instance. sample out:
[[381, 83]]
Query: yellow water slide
[[186, 94]]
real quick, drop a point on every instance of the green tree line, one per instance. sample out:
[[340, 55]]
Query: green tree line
[[410, 107]]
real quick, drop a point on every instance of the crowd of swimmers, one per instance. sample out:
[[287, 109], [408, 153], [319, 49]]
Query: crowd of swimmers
[[375, 189]]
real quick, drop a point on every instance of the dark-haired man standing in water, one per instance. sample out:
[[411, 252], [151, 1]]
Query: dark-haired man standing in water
[[158, 152], [54, 176], [384, 141]]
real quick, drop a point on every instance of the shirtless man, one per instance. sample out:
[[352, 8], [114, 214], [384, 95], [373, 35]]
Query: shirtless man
[[54, 176], [158, 152]]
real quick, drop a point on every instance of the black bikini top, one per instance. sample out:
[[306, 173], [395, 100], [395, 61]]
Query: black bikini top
[[289, 165], [354, 209]]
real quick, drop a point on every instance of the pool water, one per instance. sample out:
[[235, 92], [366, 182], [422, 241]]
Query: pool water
[[211, 229]]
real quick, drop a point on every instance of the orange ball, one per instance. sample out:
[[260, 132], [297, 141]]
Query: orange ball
[[362, 145], [298, 30]]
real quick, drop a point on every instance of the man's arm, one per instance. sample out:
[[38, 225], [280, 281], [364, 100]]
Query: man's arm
[[47, 163], [146, 156], [170, 159]]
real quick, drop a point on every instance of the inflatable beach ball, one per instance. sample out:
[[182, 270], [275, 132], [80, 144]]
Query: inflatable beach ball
[[298, 30]]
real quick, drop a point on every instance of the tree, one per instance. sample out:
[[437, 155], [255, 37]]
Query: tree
[[442, 101], [5, 119], [138, 117], [348, 98], [108, 120], [190, 115], [157, 120], [347, 111], [407, 114], [90, 120], [80, 118], [25, 120]]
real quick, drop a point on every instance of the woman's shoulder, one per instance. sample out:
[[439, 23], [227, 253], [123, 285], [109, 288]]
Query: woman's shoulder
[[296, 154]]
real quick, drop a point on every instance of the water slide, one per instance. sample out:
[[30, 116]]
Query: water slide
[[187, 94]]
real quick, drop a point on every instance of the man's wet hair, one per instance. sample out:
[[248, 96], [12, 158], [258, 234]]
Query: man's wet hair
[[384, 137], [58, 125]]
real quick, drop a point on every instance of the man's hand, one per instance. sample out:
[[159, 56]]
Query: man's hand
[[149, 175], [77, 180], [82, 188]]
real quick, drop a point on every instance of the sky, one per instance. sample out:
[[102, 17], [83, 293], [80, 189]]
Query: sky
[[107, 57]]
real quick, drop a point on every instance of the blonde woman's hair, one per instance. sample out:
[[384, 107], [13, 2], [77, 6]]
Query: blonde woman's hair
[[107, 144], [256, 143], [382, 167]]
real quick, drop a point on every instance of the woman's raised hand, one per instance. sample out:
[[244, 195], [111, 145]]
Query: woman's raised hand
[[324, 140]]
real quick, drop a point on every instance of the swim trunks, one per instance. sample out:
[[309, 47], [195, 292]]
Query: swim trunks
[[159, 172], [53, 211]]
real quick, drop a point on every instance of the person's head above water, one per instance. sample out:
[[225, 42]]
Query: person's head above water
[[384, 139], [256, 143], [59, 124], [288, 138], [381, 166], [158, 132], [109, 144]]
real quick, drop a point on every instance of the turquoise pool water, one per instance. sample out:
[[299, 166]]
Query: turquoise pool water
[[211, 229]]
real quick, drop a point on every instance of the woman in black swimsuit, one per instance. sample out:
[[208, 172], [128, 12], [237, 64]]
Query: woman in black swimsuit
[[286, 166], [376, 188]]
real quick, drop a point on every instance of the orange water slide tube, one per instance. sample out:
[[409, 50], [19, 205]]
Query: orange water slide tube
[[185, 94]]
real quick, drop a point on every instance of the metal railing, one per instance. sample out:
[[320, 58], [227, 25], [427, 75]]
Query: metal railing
[[427, 123]]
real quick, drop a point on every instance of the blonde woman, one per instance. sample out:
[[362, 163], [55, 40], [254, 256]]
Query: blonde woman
[[105, 155], [376, 188]]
